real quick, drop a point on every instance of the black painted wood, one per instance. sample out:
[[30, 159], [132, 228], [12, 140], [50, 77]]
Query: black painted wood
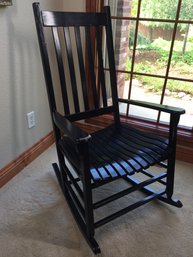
[[116, 152], [158, 107], [129, 190], [101, 66], [67, 38], [129, 208], [81, 67], [91, 69], [62, 19], [128, 155], [61, 70]]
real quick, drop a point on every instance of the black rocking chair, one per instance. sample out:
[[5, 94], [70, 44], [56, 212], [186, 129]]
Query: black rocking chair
[[119, 151]]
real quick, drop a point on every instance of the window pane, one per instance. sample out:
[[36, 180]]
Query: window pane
[[152, 49], [182, 56], [143, 88], [138, 112], [180, 94], [186, 12], [159, 9]]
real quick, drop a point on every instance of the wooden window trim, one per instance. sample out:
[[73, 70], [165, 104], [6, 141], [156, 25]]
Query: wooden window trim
[[90, 5]]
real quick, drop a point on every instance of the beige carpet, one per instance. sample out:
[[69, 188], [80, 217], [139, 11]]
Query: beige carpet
[[35, 220]]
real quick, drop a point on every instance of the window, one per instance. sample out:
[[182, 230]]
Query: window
[[154, 55]]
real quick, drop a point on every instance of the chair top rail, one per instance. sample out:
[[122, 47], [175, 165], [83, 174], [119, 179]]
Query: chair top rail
[[63, 19]]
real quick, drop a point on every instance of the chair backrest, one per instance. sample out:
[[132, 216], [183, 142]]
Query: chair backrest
[[73, 36]]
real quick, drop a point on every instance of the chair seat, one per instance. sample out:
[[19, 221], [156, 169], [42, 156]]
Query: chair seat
[[120, 151], [117, 152]]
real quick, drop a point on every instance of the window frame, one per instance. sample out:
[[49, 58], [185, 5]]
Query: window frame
[[185, 135]]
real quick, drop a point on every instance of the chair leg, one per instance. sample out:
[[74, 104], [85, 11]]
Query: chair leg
[[170, 183], [171, 201], [58, 175], [89, 217], [174, 119], [87, 195], [88, 229], [170, 177], [88, 202]]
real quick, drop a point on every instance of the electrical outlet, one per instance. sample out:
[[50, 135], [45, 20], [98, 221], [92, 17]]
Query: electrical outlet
[[31, 119]]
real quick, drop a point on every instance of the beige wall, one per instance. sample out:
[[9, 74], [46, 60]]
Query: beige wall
[[22, 86], [74, 5]]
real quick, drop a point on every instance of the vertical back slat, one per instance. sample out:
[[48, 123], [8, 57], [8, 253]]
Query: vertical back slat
[[44, 56], [101, 66], [71, 68], [76, 71], [111, 58], [81, 66], [61, 70], [91, 66]]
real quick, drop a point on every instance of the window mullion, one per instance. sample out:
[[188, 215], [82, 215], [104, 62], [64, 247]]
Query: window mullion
[[133, 56], [170, 55]]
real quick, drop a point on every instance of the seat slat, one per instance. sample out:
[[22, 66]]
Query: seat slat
[[112, 151], [120, 166], [122, 153], [111, 148], [137, 155], [114, 173], [147, 135], [145, 143], [101, 159], [95, 175], [149, 156], [149, 149], [97, 158], [103, 172], [119, 158], [142, 141], [140, 156], [144, 147]]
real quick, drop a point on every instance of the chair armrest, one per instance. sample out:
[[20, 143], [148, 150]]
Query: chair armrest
[[159, 107], [70, 130]]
